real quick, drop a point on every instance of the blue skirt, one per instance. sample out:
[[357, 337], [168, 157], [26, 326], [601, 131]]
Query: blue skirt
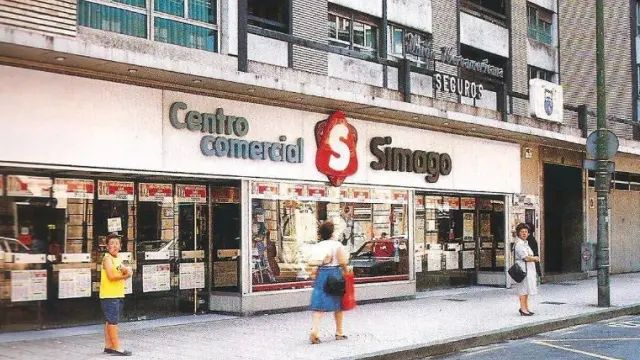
[[320, 300]]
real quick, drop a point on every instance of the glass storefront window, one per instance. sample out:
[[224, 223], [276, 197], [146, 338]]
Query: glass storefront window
[[371, 224]]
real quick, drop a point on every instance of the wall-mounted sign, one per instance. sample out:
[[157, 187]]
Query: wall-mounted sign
[[73, 189], [191, 193], [416, 45], [336, 140], [155, 192], [406, 160], [32, 186], [455, 85], [28, 285], [546, 100], [115, 190], [224, 146]]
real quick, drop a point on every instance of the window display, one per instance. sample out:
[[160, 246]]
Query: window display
[[371, 224]]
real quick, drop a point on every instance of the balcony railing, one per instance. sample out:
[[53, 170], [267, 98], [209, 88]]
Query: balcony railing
[[540, 34]]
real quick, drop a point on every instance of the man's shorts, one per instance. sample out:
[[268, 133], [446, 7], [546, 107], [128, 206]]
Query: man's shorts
[[111, 308]]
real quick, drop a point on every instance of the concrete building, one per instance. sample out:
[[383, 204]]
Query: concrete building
[[214, 136]]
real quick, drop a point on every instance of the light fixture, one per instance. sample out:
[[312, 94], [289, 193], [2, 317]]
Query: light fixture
[[196, 81], [60, 58], [132, 71]]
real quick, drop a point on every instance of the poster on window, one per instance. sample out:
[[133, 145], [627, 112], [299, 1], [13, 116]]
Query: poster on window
[[191, 276], [265, 189], [156, 277], [418, 263], [191, 193], [434, 260], [467, 203], [419, 202], [115, 190], [485, 225], [292, 191], [468, 259], [28, 285], [73, 189], [225, 194], [155, 192], [74, 283], [467, 227], [452, 260], [317, 191], [31, 186], [1, 185]]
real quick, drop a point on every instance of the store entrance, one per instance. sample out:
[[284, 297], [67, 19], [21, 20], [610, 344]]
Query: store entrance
[[563, 221]]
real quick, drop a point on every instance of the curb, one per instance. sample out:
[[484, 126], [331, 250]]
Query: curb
[[487, 338]]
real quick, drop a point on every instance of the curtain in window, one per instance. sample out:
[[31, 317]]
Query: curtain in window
[[112, 19], [178, 33], [202, 10], [173, 7]]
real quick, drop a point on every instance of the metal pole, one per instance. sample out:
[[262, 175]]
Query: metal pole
[[602, 183]]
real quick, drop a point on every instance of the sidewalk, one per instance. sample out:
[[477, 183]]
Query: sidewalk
[[434, 322]]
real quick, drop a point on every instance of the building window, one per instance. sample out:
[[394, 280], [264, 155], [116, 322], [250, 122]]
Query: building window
[[637, 18], [188, 23], [397, 38], [537, 73], [269, 14], [353, 31], [540, 24]]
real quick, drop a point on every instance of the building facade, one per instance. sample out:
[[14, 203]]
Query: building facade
[[214, 137]]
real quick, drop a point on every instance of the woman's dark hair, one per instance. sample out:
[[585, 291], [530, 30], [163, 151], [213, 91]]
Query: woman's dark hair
[[326, 230], [520, 227]]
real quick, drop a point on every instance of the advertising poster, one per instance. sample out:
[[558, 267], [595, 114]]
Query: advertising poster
[[74, 283], [73, 189], [419, 202], [468, 259], [155, 192], [128, 286], [28, 285], [467, 203], [115, 190], [156, 277], [31, 186], [191, 193], [225, 195], [418, 263], [317, 191], [485, 225], [452, 260], [292, 191], [266, 189], [191, 276], [225, 273], [467, 227], [453, 202], [434, 260]]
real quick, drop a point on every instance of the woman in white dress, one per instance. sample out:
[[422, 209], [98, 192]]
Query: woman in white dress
[[526, 260]]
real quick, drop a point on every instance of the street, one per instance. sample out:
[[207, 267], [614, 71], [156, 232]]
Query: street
[[614, 339]]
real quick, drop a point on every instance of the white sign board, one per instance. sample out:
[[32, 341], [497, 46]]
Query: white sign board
[[191, 276], [114, 224], [546, 100], [156, 277], [452, 260], [434, 260], [28, 285], [74, 283], [418, 263], [468, 259]]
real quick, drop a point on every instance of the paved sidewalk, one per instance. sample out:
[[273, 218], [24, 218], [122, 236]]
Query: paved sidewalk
[[434, 322]]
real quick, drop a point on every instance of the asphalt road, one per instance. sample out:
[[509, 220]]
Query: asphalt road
[[614, 339]]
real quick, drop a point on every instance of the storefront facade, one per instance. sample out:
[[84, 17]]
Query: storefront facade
[[218, 201]]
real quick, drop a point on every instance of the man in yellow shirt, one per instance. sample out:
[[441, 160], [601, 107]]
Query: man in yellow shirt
[[112, 279]]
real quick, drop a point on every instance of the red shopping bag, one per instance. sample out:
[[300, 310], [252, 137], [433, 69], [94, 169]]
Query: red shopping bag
[[349, 298]]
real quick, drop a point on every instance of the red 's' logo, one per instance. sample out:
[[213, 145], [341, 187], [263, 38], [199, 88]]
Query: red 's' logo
[[336, 140]]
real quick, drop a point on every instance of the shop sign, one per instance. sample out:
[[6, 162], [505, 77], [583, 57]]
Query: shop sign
[[223, 145], [292, 190], [317, 191], [400, 196], [406, 160], [467, 203], [28, 285], [415, 45], [336, 140], [453, 202], [73, 189], [225, 195], [456, 85], [32, 186], [382, 194], [115, 190], [546, 100], [191, 193], [155, 192], [266, 189]]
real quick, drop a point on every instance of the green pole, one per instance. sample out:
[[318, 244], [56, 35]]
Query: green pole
[[602, 180]]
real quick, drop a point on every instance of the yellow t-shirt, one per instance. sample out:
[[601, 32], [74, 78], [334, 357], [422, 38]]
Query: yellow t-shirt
[[111, 289]]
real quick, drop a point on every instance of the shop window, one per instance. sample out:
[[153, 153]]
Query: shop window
[[269, 14], [540, 24], [370, 224], [397, 38], [352, 30], [621, 181], [188, 23], [537, 73]]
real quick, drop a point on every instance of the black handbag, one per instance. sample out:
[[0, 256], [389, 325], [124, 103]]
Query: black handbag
[[516, 273], [334, 286]]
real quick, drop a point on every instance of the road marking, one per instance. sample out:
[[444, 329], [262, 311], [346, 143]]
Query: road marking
[[471, 352], [625, 324], [608, 339], [576, 351]]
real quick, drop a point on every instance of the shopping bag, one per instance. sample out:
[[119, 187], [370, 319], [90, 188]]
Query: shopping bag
[[349, 298]]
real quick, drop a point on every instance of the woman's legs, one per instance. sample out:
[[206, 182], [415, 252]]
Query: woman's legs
[[339, 316], [523, 303], [315, 322]]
